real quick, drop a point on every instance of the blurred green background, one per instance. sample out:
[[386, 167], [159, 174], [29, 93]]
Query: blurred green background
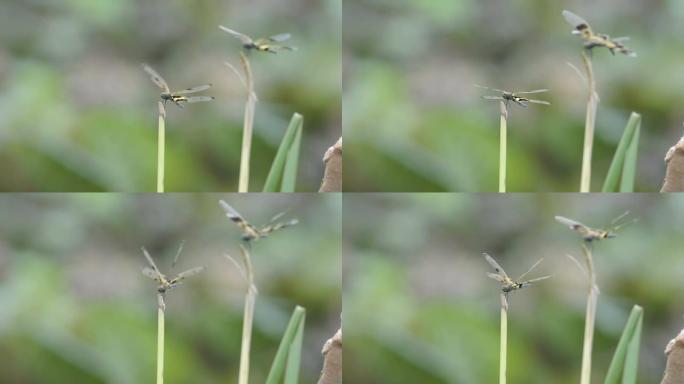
[[414, 122], [419, 308], [75, 308], [77, 112]]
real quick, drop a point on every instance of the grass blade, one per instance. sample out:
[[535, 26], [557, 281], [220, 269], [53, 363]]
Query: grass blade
[[618, 163], [629, 168], [292, 162], [275, 375], [275, 175], [294, 355], [626, 357], [502, 147]]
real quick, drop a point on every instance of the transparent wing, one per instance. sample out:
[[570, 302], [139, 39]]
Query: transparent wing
[[156, 78], [538, 102], [151, 262], [276, 227], [279, 37], [149, 272], [493, 97], [531, 268], [188, 273], [621, 39], [496, 266], [491, 89], [522, 103], [495, 277], [572, 224], [230, 211], [619, 221], [243, 38], [198, 99], [573, 19], [535, 91], [528, 282], [619, 218], [178, 253], [196, 89]]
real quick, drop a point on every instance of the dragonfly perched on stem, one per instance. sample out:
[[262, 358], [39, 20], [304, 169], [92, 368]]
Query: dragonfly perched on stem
[[251, 232], [590, 234], [592, 39], [177, 97], [507, 284], [264, 44], [165, 283], [507, 96]]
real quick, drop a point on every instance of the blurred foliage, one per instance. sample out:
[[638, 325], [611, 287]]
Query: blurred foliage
[[419, 308], [414, 122], [75, 308], [77, 113]]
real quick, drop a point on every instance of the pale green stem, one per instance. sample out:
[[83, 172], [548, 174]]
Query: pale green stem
[[248, 318], [503, 340], [502, 147], [160, 341], [590, 317], [161, 139], [592, 106], [250, 107]]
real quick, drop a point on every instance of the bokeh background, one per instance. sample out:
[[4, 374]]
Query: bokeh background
[[419, 308], [77, 113], [414, 122], [75, 308]]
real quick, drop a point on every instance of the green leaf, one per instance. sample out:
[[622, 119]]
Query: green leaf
[[616, 166], [275, 375], [292, 162], [626, 358], [294, 356], [275, 175], [629, 168]]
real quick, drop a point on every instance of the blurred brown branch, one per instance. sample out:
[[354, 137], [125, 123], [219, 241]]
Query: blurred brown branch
[[332, 364], [674, 370], [332, 179], [674, 175]]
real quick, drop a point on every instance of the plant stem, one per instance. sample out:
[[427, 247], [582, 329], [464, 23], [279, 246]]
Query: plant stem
[[590, 317], [592, 106], [161, 139], [503, 340], [247, 129], [502, 147], [160, 341], [248, 318]]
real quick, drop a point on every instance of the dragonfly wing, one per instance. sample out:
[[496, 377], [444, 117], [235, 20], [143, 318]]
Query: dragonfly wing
[[495, 265], [151, 262], [272, 228], [178, 253], [531, 268], [279, 37], [236, 218], [493, 97], [149, 272], [572, 224], [243, 38], [574, 20], [198, 99], [156, 78], [188, 273], [621, 39], [538, 102], [535, 91], [495, 277], [537, 279], [196, 89]]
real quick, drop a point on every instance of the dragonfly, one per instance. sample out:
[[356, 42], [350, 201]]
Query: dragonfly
[[165, 283], [592, 39], [178, 97], [590, 234], [251, 232], [264, 44], [507, 284], [507, 96]]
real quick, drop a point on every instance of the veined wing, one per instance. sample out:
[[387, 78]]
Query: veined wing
[[496, 266], [279, 37], [576, 21], [196, 89], [538, 101], [531, 268], [149, 272], [235, 217], [156, 78], [572, 224], [275, 227], [619, 221], [152, 264], [186, 274], [620, 39], [243, 38], [491, 89], [198, 99], [528, 92], [493, 97], [528, 282], [496, 277]]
